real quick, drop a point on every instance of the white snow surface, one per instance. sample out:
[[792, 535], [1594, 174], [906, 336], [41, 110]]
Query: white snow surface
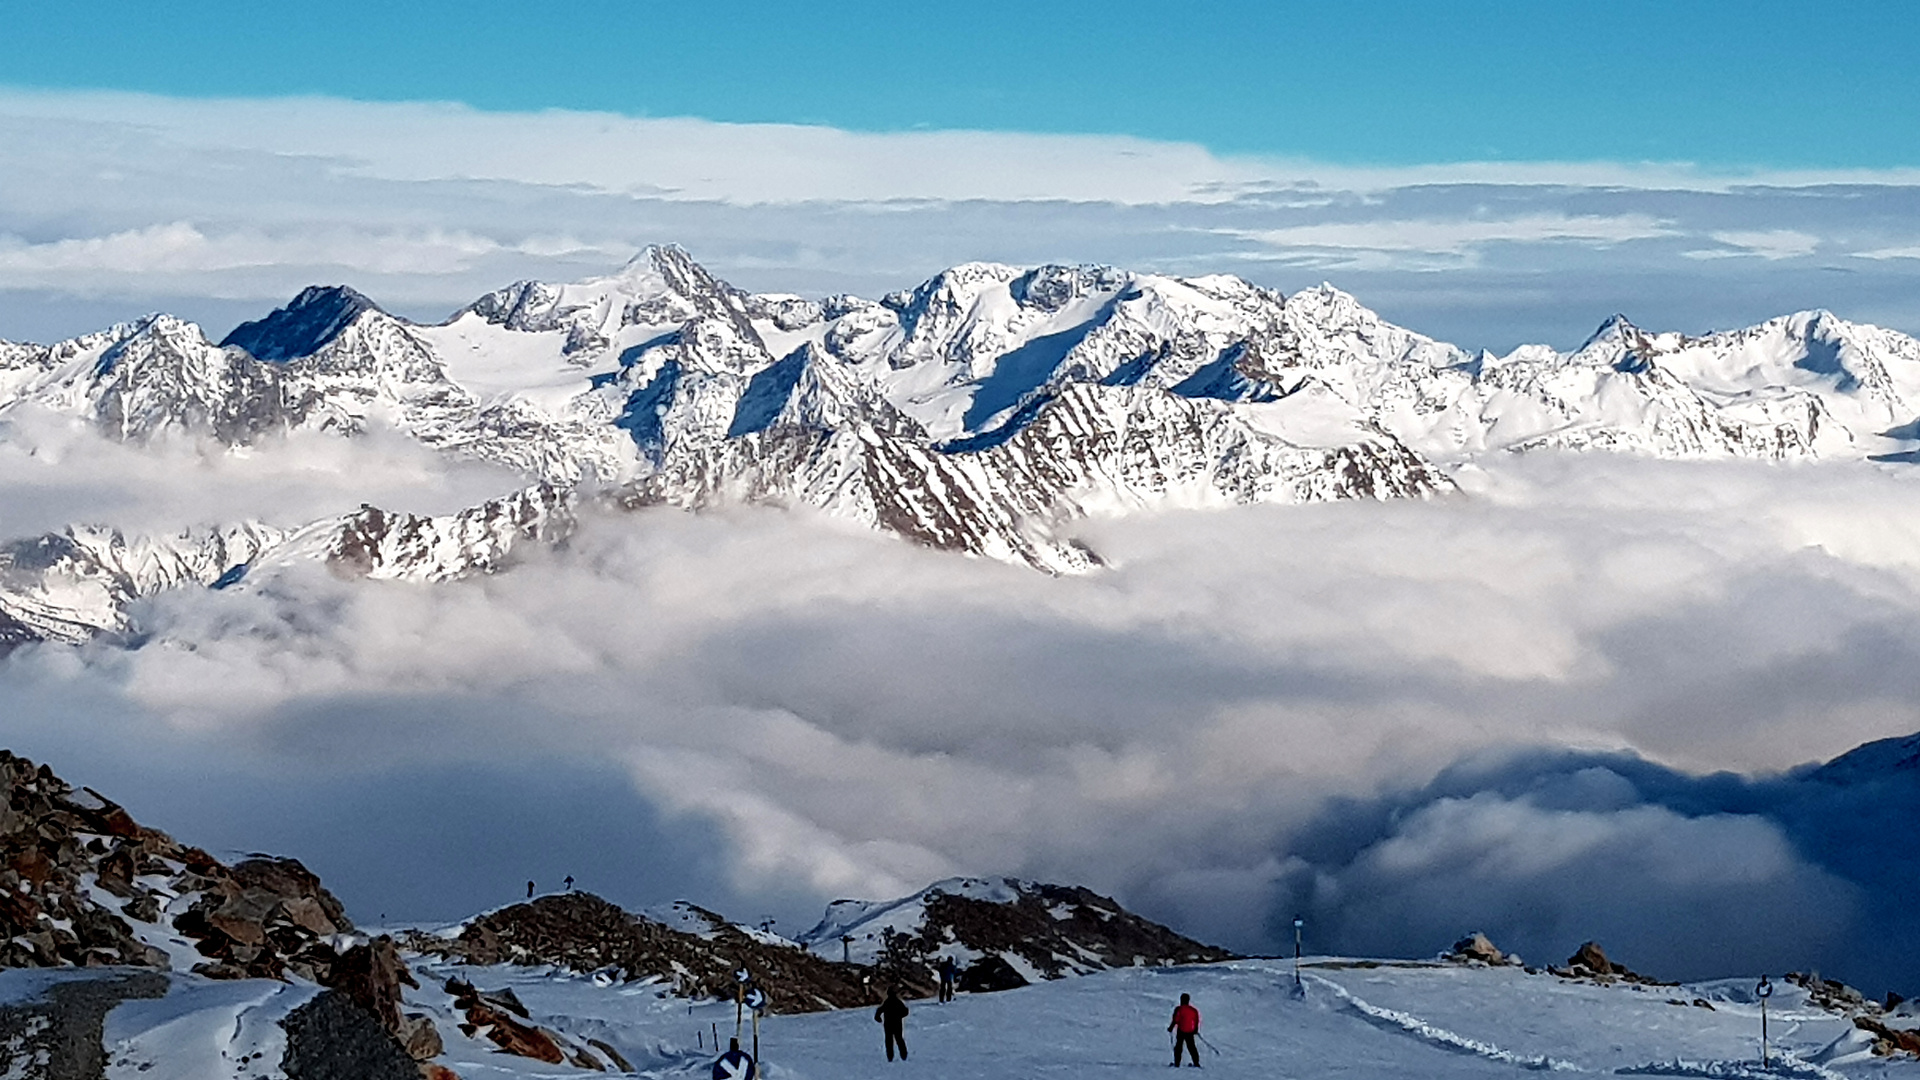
[[1351, 1018], [1394, 1020]]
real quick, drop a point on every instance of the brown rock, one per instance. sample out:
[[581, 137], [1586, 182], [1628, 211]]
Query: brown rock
[[613, 1055], [371, 975], [308, 912], [420, 1037], [512, 1036], [430, 1071], [1894, 1040], [1591, 957]]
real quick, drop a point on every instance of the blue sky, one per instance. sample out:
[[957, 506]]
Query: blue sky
[[1758, 83]]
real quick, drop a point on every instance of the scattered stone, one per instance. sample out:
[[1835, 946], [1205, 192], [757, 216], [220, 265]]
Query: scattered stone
[[1830, 995], [1889, 1040], [487, 1018]]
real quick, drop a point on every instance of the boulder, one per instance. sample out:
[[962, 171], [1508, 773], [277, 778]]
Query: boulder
[[1591, 957], [420, 1037], [1476, 946], [989, 974], [331, 1038], [371, 974]]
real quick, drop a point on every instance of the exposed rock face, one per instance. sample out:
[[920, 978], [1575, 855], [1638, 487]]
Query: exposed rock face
[[154, 902], [84, 885], [1007, 929], [582, 932], [331, 1038]]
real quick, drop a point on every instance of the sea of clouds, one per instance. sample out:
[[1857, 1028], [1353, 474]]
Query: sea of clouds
[[1401, 720], [1500, 710]]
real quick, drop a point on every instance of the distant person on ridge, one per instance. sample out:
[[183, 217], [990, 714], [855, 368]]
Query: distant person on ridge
[[1185, 1028], [949, 974], [892, 1015], [529, 890]]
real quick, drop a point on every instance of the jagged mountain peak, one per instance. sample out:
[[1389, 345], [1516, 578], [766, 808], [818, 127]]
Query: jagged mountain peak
[[307, 324], [1616, 330], [982, 411]]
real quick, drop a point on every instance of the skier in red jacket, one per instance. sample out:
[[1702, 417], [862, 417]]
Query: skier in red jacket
[[1186, 1028]]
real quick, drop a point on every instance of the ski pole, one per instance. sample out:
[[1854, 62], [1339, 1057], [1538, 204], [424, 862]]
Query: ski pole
[[1210, 1046]]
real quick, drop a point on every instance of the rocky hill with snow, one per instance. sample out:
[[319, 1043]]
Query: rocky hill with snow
[[982, 412], [1002, 932]]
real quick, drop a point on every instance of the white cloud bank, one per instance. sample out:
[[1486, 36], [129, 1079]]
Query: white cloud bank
[[113, 203], [856, 716]]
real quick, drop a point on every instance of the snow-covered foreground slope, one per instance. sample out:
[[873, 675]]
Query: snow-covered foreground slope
[[1393, 1020], [984, 411]]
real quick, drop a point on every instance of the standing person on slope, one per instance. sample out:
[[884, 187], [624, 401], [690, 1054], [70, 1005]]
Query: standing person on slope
[[949, 974], [1185, 1028], [892, 1015]]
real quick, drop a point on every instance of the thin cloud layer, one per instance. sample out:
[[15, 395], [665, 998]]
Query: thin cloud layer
[[832, 712], [115, 204]]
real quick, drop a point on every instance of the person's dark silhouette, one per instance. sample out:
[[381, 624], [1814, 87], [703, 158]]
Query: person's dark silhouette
[[569, 882], [735, 1064], [949, 974], [892, 1015], [529, 890], [1185, 1028]]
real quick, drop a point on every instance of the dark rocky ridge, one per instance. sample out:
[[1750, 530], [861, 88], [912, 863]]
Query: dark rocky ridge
[[309, 321], [1048, 923], [584, 933]]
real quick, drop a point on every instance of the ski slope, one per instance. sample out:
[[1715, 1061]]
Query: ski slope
[[1356, 1019]]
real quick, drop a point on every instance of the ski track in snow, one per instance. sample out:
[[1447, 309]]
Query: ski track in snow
[[1438, 1035], [1442, 1023]]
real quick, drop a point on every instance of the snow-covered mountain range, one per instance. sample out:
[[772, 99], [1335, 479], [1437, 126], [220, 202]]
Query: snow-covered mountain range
[[983, 411]]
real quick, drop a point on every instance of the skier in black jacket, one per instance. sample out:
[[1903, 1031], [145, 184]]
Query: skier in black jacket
[[892, 1015]]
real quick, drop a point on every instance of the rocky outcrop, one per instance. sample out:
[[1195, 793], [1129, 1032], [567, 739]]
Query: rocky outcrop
[[332, 1038], [1589, 961], [1478, 948], [582, 932], [83, 885], [1830, 994], [1889, 1040]]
